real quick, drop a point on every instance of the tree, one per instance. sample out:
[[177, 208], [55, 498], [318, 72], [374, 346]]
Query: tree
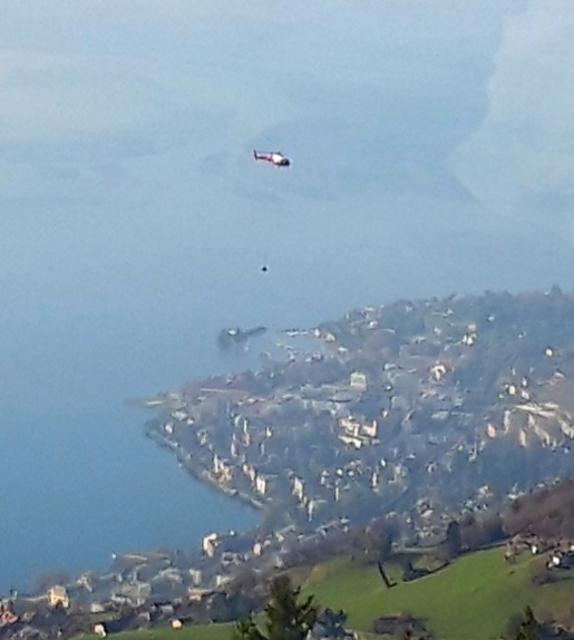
[[476, 532], [247, 630], [528, 630], [285, 617], [379, 536], [453, 539]]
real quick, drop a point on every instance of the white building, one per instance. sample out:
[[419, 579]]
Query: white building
[[261, 485], [358, 381], [298, 488], [438, 371], [209, 544], [196, 576]]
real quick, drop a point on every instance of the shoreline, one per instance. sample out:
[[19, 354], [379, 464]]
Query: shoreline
[[200, 472]]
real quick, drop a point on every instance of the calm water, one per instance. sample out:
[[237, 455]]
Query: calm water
[[134, 221]]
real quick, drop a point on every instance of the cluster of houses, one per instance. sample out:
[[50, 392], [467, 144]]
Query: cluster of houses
[[558, 553], [378, 411], [244, 453], [549, 420], [382, 417], [163, 587]]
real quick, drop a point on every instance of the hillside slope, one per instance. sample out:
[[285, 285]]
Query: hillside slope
[[472, 599]]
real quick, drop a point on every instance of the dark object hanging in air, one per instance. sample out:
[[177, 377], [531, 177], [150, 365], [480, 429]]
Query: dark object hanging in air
[[264, 268]]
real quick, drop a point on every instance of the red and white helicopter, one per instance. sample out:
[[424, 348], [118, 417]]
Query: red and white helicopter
[[276, 158]]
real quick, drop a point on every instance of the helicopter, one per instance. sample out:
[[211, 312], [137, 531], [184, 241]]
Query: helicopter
[[276, 158]]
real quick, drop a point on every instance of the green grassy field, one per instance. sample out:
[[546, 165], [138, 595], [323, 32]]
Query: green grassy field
[[192, 632], [472, 599]]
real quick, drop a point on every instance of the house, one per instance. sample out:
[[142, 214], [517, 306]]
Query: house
[[370, 429], [162, 609], [230, 558], [401, 626], [197, 595], [399, 473], [469, 338], [7, 617], [354, 441], [354, 431], [257, 549], [249, 471], [330, 626], [491, 431], [438, 371], [196, 576], [58, 596], [261, 484], [222, 469], [358, 381], [221, 579], [312, 507], [298, 488], [172, 574], [209, 544], [132, 593]]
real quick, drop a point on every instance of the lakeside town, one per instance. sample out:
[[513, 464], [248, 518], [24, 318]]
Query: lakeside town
[[395, 422], [385, 413]]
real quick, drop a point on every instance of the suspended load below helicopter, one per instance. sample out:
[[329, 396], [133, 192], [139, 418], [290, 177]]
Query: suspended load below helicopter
[[275, 158]]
